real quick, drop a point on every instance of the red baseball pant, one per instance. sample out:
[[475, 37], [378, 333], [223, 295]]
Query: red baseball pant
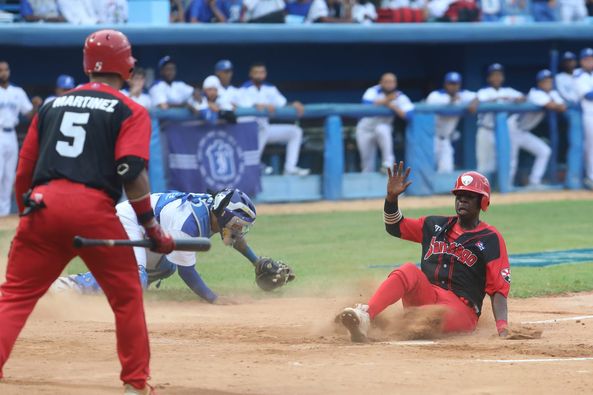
[[410, 284], [41, 249]]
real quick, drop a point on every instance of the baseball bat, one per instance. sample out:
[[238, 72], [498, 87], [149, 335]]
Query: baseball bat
[[195, 244]]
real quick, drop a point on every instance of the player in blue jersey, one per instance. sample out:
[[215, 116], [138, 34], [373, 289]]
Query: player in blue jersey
[[187, 215]]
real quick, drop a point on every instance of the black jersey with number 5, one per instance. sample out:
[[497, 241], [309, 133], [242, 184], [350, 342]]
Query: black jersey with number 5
[[82, 134]]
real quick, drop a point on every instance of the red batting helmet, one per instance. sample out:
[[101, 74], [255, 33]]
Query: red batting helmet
[[473, 181], [108, 51]]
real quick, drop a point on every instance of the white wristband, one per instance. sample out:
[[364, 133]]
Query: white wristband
[[393, 218]]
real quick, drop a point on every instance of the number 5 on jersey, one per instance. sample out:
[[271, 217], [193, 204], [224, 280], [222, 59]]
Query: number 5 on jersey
[[72, 126]]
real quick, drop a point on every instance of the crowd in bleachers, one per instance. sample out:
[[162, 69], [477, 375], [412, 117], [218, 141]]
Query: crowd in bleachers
[[305, 11]]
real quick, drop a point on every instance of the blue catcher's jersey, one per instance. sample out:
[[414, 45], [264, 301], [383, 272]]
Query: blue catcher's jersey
[[182, 215]]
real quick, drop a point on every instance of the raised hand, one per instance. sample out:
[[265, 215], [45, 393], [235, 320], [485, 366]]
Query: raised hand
[[397, 181]]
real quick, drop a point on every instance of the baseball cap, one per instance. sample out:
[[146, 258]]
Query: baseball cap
[[211, 81], [453, 77], [65, 82], [543, 74], [164, 60], [568, 56], [586, 52], [223, 65], [495, 67]]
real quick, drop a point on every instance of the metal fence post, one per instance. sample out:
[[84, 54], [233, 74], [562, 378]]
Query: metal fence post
[[333, 158], [503, 153], [574, 157]]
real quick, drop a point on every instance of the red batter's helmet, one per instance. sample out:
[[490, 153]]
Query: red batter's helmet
[[473, 181], [108, 51]]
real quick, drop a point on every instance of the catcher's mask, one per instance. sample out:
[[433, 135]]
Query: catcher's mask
[[235, 213]]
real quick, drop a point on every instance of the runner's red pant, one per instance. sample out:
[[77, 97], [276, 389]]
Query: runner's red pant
[[41, 249], [410, 284]]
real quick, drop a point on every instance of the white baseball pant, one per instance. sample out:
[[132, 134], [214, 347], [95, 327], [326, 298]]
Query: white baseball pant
[[9, 153], [369, 135], [288, 134], [444, 154], [523, 139], [486, 150], [588, 143]]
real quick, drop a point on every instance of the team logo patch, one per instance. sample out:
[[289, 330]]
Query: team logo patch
[[506, 274], [98, 66], [466, 180], [480, 245], [437, 228], [219, 158]]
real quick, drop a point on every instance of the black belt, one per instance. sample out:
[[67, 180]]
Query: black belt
[[8, 130]]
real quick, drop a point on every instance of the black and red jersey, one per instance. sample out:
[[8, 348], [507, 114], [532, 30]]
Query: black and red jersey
[[79, 136], [468, 263]]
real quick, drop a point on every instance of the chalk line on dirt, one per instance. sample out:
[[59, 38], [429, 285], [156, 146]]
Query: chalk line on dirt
[[554, 320], [537, 360]]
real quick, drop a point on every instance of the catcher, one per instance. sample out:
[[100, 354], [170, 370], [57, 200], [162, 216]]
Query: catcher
[[184, 215], [463, 259]]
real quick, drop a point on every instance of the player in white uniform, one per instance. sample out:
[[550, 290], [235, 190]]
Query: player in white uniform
[[373, 132], [264, 96], [183, 215], [63, 84], [584, 84], [445, 125], [211, 107], [486, 139], [227, 92], [168, 93], [520, 126], [136, 91], [564, 80], [13, 102]]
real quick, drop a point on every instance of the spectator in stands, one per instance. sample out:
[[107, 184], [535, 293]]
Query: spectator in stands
[[453, 11], [263, 11], [79, 12], [63, 84], [111, 11], [584, 85], [212, 107], [364, 12], [373, 132], [494, 93], [208, 11], [177, 13], [41, 11], [13, 102], [520, 126], [297, 10], [227, 92], [491, 10], [137, 91], [330, 11], [266, 97], [445, 126], [167, 92], [573, 10], [402, 11], [564, 79], [544, 10]]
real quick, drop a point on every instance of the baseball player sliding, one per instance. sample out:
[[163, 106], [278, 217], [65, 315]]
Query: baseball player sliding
[[80, 150], [185, 215], [463, 259]]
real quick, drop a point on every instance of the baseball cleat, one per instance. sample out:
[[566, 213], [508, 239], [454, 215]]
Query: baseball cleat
[[356, 319], [66, 283], [147, 390]]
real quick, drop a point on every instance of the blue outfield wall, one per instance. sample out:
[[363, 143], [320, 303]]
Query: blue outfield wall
[[335, 184]]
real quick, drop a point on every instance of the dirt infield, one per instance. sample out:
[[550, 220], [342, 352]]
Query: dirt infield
[[290, 346], [281, 345]]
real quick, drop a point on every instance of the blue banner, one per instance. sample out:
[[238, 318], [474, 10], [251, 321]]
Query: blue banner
[[203, 157]]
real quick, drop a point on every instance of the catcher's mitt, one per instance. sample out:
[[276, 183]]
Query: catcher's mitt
[[271, 274]]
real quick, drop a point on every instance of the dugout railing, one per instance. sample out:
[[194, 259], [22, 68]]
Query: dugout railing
[[335, 184]]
